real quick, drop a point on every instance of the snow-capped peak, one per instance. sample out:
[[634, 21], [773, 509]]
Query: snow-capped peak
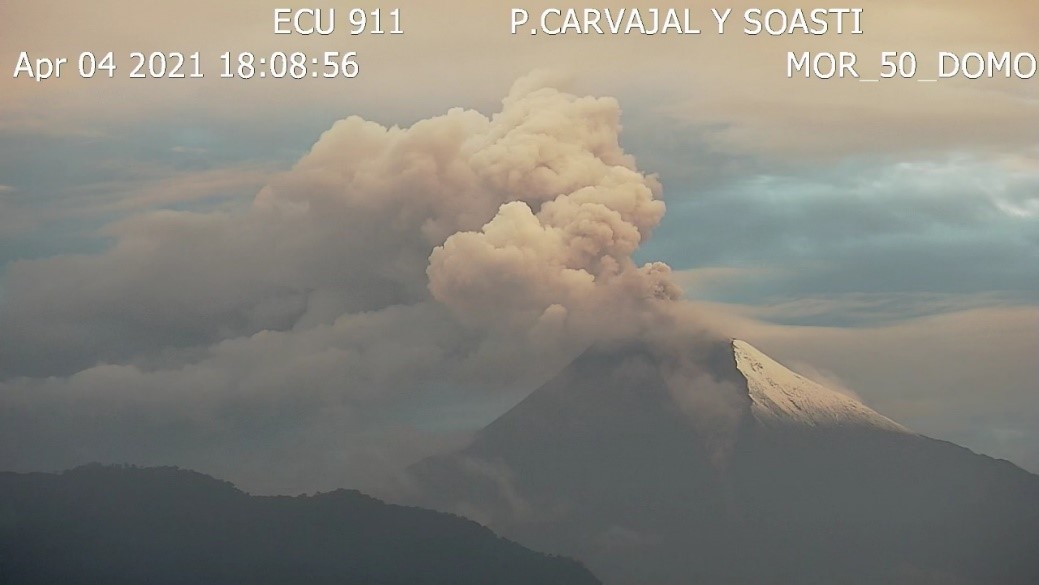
[[780, 397]]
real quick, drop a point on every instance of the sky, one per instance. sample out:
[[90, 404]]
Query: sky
[[331, 278]]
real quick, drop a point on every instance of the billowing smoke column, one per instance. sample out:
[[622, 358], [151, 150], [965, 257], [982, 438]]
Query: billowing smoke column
[[559, 263], [464, 251], [557, 255]]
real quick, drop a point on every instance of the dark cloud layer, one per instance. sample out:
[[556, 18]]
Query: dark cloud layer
[[960, 225]]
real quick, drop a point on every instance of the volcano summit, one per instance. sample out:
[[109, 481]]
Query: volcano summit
[[605, 463]]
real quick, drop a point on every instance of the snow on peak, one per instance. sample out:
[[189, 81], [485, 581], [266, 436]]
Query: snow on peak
[[780, 397]]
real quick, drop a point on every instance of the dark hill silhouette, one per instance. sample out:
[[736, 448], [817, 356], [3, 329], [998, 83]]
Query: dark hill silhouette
[[163, 526]]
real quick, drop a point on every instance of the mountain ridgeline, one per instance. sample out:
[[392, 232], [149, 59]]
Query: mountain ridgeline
[[605, 463], [647, 469], [165, 526]]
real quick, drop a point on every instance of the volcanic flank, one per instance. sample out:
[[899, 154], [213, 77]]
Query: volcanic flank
[[605, 463]]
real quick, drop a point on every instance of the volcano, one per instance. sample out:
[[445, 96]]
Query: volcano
[[747, 473]]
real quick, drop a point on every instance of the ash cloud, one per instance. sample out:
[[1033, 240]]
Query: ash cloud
[[468, 252]]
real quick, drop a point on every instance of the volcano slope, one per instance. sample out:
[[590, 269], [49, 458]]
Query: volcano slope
[[617, 464]]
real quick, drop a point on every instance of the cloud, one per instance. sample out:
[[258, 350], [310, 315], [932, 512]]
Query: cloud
[[466, 252], [461, 256], [867, 309], [953, 225], [15, 218], [573, 253], [743, 104], [351, 228]]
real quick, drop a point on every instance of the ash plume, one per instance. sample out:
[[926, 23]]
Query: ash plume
[[472, 252]]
